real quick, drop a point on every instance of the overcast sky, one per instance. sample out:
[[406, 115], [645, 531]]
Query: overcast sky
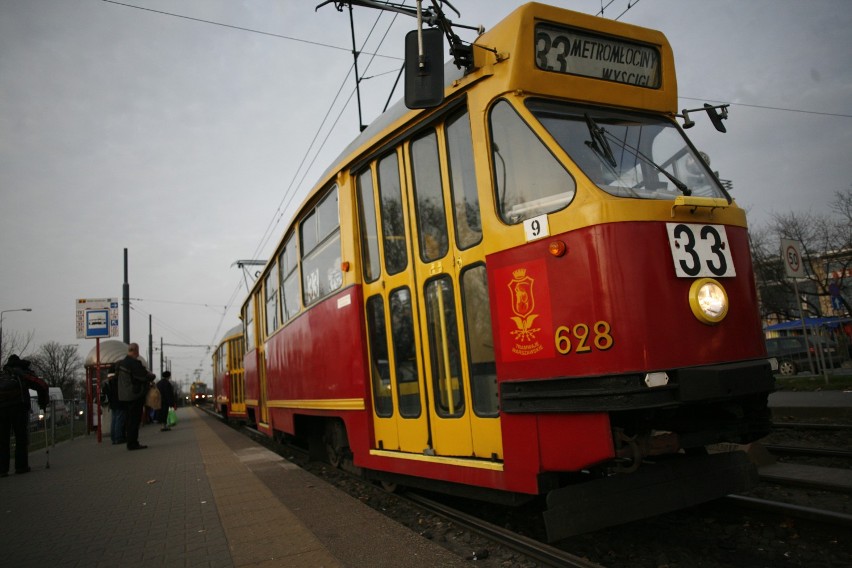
[[181, 140]]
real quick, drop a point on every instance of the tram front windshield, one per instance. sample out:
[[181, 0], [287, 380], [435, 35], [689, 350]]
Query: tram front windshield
[[625, 153]]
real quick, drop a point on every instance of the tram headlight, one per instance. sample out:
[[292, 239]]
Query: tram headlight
[[708, 300]]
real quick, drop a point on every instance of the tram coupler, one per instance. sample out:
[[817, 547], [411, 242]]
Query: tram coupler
[[653, 489]]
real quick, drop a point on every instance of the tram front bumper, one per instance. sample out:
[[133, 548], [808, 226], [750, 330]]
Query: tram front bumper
[[613, 393]]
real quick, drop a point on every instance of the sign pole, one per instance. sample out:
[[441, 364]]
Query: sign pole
[[794, 268], [804, 327], [98, 383]]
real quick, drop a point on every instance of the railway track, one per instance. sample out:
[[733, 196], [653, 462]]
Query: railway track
[[809, 426], [544, 554], [806, 451], [697, 531], [788, 509]]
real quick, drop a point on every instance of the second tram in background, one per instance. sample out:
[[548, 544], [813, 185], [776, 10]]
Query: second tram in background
[[228, 384], [198, 393], [536, 287]]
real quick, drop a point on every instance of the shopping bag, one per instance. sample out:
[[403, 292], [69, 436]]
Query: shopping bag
[[152, 399], [171, 419]]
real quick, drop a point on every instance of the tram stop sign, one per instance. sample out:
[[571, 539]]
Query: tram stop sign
[[97, 318], [791, 256]]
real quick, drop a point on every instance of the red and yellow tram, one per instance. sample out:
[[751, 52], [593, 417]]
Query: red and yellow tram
[[228, 385], [535, 287], [198, 393]]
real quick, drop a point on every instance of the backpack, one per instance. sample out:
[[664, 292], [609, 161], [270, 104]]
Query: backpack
[[11, 389]]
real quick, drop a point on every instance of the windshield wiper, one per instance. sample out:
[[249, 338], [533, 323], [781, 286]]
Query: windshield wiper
[[598, 143], [678, 184]]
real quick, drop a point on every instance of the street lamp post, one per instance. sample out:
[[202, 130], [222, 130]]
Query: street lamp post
[[1, 326]]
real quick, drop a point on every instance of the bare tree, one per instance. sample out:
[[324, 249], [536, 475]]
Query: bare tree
[[60, 366], [827, 258], [15, 342]]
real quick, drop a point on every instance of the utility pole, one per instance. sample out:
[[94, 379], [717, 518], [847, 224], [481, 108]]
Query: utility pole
[[126, 298], [150, 346]]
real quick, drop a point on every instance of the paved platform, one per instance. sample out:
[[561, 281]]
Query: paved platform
[[201, 495], [836, 404], [808, 475]]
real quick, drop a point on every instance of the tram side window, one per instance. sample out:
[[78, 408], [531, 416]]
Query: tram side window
[[480, 342], [393, 223], [287, 265], [248, 324], [272, 319], [445, 359], [321, 274], [528, 179], [236, 351], [404, 353], [468, 223], [379, 360], [369, 230], [431, 212]]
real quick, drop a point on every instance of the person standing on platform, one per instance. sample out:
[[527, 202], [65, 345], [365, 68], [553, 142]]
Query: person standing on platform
[[167, 400], [15, 382], [117, 409], [133, 383]]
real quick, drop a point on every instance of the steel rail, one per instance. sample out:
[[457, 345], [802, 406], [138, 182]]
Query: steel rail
[[529, 547], [807, 426], [808, 513], [803, 451]]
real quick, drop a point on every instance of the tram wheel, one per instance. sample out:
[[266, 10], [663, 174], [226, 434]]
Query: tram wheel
[[334, 440]]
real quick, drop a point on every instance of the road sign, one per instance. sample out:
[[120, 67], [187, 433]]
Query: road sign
[[791, 256], [97, 317]]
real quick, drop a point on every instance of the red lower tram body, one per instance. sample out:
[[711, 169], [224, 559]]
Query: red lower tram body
[[600, 365]]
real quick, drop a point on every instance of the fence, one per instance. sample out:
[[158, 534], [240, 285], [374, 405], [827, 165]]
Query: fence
[[61, 420]]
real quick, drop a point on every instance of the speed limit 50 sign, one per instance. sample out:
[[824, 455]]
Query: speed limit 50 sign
[[791, 256]]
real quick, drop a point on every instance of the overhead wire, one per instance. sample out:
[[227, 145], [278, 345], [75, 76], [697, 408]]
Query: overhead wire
[[765, 107], [629, 5], [290, 192], [164, 324], [240, 28]]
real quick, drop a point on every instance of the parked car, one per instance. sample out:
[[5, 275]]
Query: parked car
[[57, 402], [36, 413], [792, 353]]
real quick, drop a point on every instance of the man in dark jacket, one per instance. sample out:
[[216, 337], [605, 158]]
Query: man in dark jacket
[[167, 400], [133, 382], [15, 413]]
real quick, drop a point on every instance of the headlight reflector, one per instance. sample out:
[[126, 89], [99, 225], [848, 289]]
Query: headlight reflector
[[708, 300]]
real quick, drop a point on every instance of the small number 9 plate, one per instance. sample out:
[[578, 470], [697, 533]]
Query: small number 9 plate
[[536, 228]]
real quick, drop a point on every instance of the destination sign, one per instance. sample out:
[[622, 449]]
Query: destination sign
[[575, 52]]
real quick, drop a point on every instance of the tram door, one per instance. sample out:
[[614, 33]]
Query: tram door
[[235, 350], [437, 389], [261, 356], [390, 304]]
